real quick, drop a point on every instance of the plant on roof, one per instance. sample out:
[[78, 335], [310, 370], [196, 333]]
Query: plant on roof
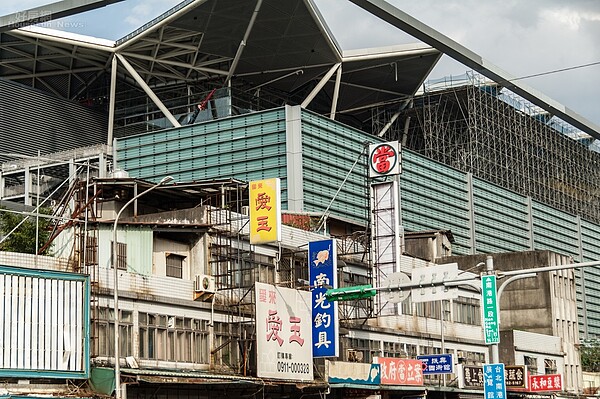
[[18, 231]]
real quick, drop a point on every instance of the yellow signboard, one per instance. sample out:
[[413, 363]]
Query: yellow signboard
[[265, 211]]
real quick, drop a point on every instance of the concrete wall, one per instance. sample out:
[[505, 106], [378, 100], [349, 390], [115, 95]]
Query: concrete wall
[[545, 304]]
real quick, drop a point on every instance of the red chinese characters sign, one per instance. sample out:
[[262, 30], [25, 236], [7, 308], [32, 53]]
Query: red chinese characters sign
[[283, 333], [396, 371], [384, 159], [545, 383], [265, 211]]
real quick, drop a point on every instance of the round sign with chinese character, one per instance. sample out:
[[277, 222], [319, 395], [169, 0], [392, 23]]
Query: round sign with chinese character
[[384, 159]]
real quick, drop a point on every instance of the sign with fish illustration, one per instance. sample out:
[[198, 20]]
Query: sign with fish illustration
[[322, 267]]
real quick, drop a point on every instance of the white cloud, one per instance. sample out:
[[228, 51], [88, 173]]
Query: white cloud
[[145, 11], [570, 18], [521, 37], [567, 18]]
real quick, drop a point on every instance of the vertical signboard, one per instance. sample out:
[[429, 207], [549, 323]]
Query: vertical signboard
[[384, 159], [322, 272], [489, 306], [395, 371], [265, 211], [283, 333], [494, 386]]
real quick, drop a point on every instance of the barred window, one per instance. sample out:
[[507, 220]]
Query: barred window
[[430, 350], [91, 250], [300, 269], [258, 268], [121, 258]]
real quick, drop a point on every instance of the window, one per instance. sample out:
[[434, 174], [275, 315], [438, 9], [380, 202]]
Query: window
[[470, 358], [300, 269], [175, 265], [173, 338], [258, 268], [91, 250], [406, 307], [550, 366], [411, 350], [393, 349], [428, 309], [105, 327], [430, 350], [360, 350], [467, 311], [531, 363], [398, 349], [121, 258], [226, 339]]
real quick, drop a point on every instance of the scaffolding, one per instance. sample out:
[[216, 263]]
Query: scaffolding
[[481, 128]]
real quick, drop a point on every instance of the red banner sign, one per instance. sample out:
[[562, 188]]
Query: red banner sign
[[545, 383], [395, 371]]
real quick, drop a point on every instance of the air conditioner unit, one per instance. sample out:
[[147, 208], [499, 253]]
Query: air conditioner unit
[[246, 210], [204, 283]]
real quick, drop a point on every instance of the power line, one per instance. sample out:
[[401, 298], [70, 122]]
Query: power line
[[556, 71]]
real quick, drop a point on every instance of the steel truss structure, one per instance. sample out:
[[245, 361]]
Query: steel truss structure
[[484, 129]]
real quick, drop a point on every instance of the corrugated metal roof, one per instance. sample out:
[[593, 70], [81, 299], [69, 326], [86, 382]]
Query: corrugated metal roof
[[190, 377], [189, 374]]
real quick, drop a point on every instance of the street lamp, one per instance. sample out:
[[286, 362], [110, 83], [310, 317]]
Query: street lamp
[[116, 284]]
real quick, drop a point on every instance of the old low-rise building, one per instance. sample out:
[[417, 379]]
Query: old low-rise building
[[187, 302]]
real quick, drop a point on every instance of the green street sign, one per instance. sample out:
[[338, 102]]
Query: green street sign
[[350, 293], [489, 305]]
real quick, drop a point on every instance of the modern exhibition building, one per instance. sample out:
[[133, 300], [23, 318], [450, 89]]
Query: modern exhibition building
[[216, 94]]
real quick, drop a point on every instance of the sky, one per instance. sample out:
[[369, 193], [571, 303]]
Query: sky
[[550, 38]]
